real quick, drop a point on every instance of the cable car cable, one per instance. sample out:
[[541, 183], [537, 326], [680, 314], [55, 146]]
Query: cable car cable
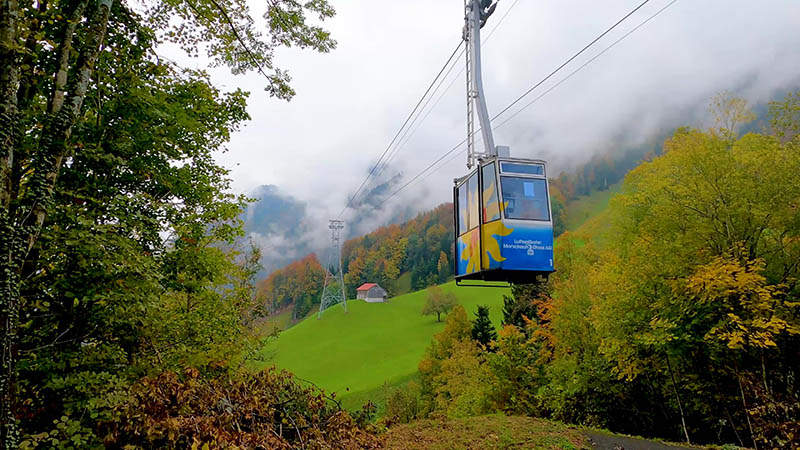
[[450, 85], [423, 172], [458, 146], [527, 105], [403, 139], [372, 172], [571, 59]]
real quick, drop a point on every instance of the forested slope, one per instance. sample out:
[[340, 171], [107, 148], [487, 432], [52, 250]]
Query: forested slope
[[420, 249], [675, 313]]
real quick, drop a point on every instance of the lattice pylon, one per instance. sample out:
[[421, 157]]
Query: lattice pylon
[[333, 289]]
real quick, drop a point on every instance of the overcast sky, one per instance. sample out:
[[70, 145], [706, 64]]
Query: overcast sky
[[350, 102]]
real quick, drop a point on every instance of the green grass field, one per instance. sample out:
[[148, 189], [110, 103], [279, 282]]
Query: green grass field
[[373, 343]]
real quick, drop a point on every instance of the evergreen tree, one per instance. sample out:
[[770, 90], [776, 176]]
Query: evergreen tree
[[482, 329], [522, 303]]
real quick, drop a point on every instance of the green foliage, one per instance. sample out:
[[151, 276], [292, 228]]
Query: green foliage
[[516, 376], [784, 117], [483, 331], [696, 291], [454, 375], [227, 32], [120, 238], [113, 300], [522, 305], [558, 205], [439, 302], [404, 404]]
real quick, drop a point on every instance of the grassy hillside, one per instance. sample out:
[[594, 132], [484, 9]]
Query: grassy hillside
[[376, 345], [373, 343], [586, 207], [495, 432]]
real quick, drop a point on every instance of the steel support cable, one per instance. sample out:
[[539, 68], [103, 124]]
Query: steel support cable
[[383, 155], [436, 169], [551, 88], [406, 136], [430, 168], [423, 172], [450, 85], [570, 60], [409, 132]]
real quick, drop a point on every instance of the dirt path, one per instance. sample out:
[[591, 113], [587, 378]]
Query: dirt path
[[600, 441]]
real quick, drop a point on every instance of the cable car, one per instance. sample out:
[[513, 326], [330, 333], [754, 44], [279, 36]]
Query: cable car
[[503, 222], [502, 215]]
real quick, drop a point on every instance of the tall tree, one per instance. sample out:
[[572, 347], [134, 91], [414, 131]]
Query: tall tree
[[50, 52], [483, 330], [706, 238]]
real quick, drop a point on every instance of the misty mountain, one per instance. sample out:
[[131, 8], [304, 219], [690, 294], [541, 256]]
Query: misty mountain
[[281, 226], [277, 223]]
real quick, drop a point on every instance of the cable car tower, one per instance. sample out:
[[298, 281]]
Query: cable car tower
[[333, 288], [502, 214]]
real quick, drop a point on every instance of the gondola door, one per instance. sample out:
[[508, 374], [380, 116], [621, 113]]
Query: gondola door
[[467, 225]]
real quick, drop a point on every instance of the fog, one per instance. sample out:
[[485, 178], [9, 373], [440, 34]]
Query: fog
[[318, 148]]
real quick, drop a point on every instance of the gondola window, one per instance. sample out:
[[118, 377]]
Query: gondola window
[[525, 198]]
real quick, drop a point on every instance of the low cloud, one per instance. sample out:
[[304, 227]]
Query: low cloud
[[350, 103]]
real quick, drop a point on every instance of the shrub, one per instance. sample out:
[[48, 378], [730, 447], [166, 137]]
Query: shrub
[[404, 404], [267, 409]]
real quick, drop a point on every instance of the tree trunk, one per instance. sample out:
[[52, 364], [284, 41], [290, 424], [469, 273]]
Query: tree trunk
[[46, 162], [9, 276], [20, 229], [680, 404], [11, 247], [9, 83], [744, 407]]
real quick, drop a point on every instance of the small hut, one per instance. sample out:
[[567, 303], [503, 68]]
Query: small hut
[[371, 293]]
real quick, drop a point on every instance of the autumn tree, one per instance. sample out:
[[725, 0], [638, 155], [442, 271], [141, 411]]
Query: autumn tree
[[679, 302], [730, 114], [298, 285], [784, 117], [522, 305], [705, 237], [438, 302], [454, 375], [444, 267], [516, 375]]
